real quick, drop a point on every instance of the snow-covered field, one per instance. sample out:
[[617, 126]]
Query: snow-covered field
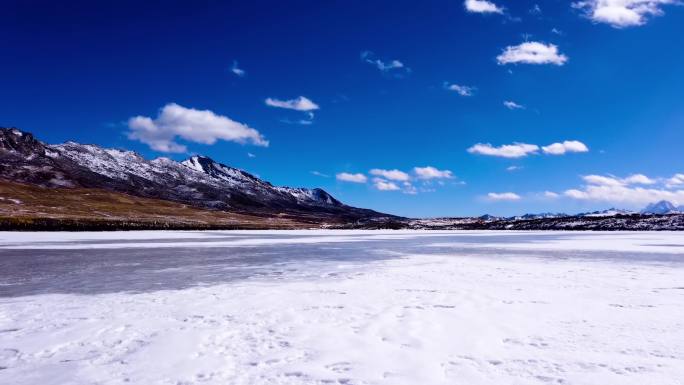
[[336, 307]]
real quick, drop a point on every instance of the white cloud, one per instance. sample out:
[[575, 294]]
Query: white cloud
[[601, 180], [507, 196], [633, 179], [565, 147], [391, 174], [551, 195], [513, 168], [299, 104], [459, 89], [391, 66], [627, 191], [511, 105], [250, 155], [482, 6], [532, 53], [535, 10], [626, 194], [198, 126], [384, 185], [622, 13], [639, 179], [237, 71], [354, 178], [676, 180], [430, 172], [515, 150]]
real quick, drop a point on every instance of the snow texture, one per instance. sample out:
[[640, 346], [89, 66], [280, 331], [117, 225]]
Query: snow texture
[[355, 307]]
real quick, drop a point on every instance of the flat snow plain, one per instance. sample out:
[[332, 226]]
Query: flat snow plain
[[342, 307]]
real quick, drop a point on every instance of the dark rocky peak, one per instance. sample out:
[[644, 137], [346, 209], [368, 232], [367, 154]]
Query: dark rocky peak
[[14, 140]]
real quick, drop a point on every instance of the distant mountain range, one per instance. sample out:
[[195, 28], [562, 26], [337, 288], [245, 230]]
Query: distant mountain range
[[197, 181], [74, 186]]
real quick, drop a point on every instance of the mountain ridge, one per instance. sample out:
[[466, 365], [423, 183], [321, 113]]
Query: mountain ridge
[[198, 181]]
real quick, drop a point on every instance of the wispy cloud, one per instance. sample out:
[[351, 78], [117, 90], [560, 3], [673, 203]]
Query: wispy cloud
[[318, 173], [392, 67], [532, 53], [236, 70], [506, 196], [460, 89], [298, 104], [198, 126], [511, 105], [354, 178], [482, 6], [535, 10], [622, 13]]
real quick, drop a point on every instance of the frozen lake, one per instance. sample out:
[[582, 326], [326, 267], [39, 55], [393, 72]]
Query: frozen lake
[[341, 307]]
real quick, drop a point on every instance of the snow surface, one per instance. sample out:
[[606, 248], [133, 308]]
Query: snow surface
[[354, 307]]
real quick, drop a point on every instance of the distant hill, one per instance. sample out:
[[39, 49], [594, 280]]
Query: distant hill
[[662, 207]]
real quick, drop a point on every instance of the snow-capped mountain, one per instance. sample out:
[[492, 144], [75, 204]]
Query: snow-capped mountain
[[611, 212], [662, 207], [197, 181]]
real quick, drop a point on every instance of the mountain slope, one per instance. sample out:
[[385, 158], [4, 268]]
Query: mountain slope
[[33, 207], [197, 181]]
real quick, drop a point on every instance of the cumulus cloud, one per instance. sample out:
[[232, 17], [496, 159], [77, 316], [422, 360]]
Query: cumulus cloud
[[532, 53], [482, 6], [519, 150], [391, 174], [625, 194], [565, 147], [236, 70], [298, 104], [395, 67], [198, 126], [622, 13], [515, 150], [628, 190], [354, 178], [511, 105], [459, 89], [639, 179], [385, 185], [430, 172], [506, 196]]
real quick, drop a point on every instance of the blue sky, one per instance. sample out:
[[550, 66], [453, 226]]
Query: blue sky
[[381, 104]]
